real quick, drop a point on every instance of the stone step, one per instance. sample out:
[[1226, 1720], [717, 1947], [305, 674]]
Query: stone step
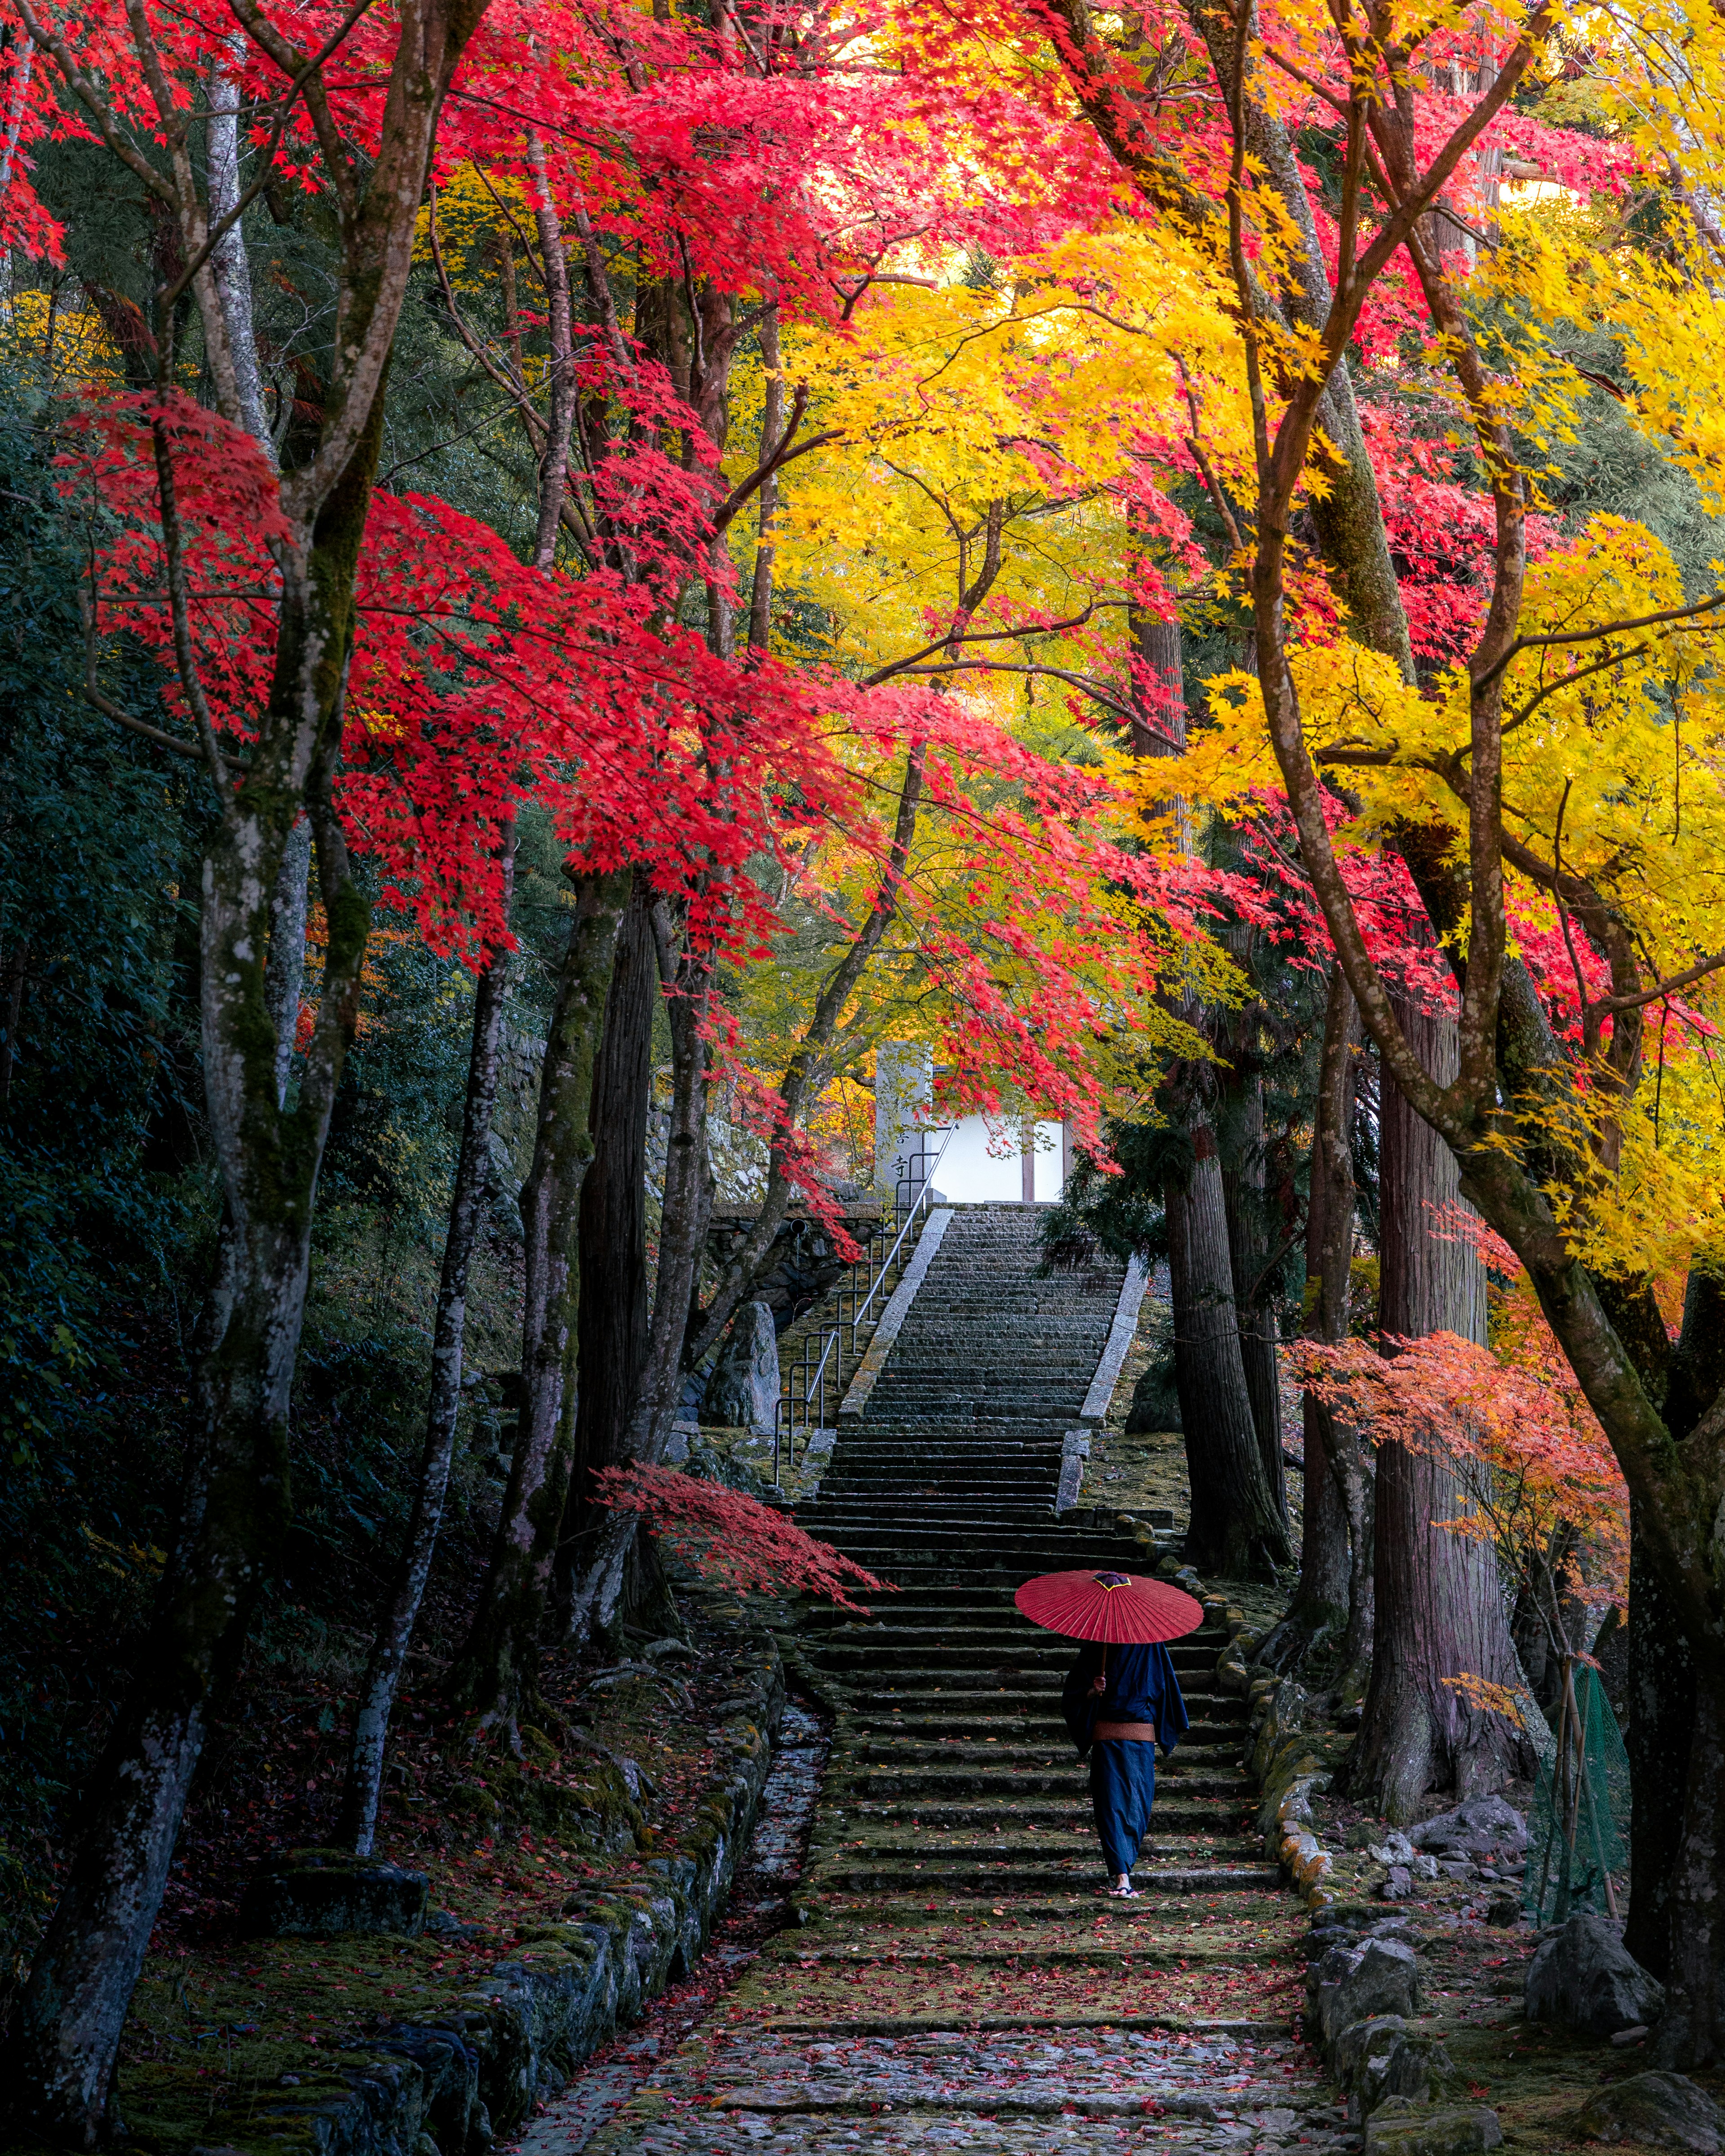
[[977, 1611], [1020, 1512], [865, 1781], [955, 1479], [960, 1409], [999, 1650], [995, 1457], [982, 1706], [927, 1570], [1050, 1550], [893, 1925], [990, 1670], [1067, 1810], [1045, 1861], [879, 1739], [856, 1872], [878, 1433], [961, 1627], [1020, 1503], [875, 1712]]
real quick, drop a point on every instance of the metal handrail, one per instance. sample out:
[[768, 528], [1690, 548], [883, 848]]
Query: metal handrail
[[920, 1200], [781, 1422], [784, 1424]]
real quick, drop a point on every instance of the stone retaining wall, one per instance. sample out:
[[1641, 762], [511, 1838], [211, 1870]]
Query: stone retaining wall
[[450, 2085]]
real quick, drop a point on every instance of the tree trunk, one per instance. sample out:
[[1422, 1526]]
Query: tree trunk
[[231, 271], [1439, 1608], [467, 1206], [759, 634], [687, 1198], [1239, 1515], [1663, 1664], [603, 1585], [1692, 2031], [612, 1326], [497, 1665], [1234, 1528], [284, 981], [1662, 1711], [1249, 1251], [1331, 1580]]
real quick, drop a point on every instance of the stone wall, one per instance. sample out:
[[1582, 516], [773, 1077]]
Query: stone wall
[[449, 2085]]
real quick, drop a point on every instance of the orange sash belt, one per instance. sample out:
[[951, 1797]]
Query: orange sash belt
[[1133, 1733]]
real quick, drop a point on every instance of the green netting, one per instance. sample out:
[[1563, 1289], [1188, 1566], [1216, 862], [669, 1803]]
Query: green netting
[[1577, 1835]]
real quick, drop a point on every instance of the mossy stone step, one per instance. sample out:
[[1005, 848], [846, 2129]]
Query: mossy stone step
[[1150, 1911], [1036, 1862], [856, 1875], [978, 1615], [985, 1705], [930, 1570], [1071, 1812], [866, 1781], [1001, 1651]]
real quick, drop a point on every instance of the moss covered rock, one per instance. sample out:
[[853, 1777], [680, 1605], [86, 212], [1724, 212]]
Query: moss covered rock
[[1655, 2110], [327, 1893], [1401, 2128]]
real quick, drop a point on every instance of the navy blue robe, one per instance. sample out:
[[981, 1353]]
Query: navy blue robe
[[1142, 1687]]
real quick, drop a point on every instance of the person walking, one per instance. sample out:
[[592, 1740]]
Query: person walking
[[1121, 1703]]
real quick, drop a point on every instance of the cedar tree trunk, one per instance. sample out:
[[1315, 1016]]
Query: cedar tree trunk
[[1329, 1580], [612, 1324], [614, 1328], [1439, 1606], [600, 1587], [1236, 1528], [1249, 1251]]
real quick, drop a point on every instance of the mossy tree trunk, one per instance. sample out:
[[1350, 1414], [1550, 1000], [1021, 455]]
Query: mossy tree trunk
[[467, 1208], [497, 1665]]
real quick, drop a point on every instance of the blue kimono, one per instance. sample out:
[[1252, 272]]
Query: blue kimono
[[1142, 1687]]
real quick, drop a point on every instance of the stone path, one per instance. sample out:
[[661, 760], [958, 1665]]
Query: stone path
[[954, 1982]]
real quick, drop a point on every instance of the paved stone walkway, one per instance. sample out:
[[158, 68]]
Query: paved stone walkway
[[954, 1983]]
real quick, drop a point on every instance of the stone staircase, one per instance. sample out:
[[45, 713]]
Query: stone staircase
[[964, 1427], [955, 1982]]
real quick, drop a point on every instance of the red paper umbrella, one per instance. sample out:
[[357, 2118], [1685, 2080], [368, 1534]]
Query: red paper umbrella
[[1115, 1606]]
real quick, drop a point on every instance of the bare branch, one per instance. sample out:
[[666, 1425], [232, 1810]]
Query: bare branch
[[771, 466], [957, 636]]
